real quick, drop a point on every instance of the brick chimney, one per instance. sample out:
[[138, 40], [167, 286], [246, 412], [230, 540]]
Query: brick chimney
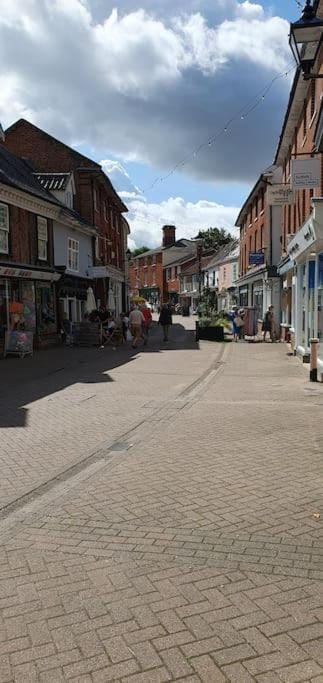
[[169, 235]]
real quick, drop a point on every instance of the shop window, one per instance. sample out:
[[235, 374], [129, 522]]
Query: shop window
[[73, 254], [45, 305], [42, 238], [4, 229]]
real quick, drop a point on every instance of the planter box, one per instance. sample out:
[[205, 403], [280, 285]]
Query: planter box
[[210, 333]]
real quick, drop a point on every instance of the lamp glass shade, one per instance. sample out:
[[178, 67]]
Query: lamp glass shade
[[306, 36]]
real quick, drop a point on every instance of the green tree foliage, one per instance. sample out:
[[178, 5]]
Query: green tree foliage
[[138, 251], [214, 238]]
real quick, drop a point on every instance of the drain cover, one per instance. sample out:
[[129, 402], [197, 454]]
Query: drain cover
[[119, 446]]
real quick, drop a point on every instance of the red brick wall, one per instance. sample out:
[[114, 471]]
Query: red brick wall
[[295, 215], [23, 239], [254, 231], [143, 272]]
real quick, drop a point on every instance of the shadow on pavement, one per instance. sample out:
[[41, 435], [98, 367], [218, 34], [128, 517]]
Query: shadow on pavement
[[24, 381]]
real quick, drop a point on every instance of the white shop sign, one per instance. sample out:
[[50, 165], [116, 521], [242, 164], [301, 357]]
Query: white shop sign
[[303, 239], [306, 174], [279, 195], [8, 271]]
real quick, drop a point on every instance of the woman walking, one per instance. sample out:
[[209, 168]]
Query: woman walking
[[165, 320]]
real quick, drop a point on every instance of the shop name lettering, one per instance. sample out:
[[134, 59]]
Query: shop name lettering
[[309, 235], [13, 272]]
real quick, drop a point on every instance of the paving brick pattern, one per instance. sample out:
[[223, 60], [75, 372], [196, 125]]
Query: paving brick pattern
[[197, 555]]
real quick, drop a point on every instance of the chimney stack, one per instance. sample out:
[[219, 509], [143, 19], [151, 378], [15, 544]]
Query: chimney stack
[[169, 235]]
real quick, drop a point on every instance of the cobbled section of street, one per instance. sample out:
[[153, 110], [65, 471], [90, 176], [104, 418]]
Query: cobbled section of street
[[192, 550]]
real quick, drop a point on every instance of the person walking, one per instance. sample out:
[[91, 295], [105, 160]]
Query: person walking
[[237, 323], [147, 321], [268, 325], [165, 320], [136, 321]]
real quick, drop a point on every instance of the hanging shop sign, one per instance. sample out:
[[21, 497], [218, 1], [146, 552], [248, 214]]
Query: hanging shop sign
[[305, 174], [280, 194], [256, 258]]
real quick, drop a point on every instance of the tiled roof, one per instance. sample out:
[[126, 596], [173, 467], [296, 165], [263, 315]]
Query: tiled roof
[[18, 173], [53, 181], [230, 250], [183, 250]]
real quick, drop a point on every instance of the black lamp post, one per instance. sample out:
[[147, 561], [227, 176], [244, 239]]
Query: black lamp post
[[305, 40]]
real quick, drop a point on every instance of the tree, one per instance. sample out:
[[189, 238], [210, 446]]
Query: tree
[[138, 251], [214, 238]]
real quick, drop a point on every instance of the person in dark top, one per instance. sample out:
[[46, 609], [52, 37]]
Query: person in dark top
[[268, 325], [165, 320]]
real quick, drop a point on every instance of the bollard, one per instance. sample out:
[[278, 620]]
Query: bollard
[[313, 361]]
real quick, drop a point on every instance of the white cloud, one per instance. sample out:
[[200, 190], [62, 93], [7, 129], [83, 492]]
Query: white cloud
[[146, 84], [146, 219]]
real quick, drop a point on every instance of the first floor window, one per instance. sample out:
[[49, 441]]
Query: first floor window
[[42, 238], [73, 254], [4, 229]]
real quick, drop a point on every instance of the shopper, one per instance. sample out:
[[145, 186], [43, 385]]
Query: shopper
[[237, 324], [136, 321], [147, 321], [268, 325], [165, 320]]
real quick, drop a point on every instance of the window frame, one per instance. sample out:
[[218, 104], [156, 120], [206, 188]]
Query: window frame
[[5, 229], [71, 250], [42, 219]]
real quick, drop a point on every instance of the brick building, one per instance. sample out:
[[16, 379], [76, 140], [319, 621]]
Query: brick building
[[95, 200], [155, 274], [27, 274], [260, 226], [301, 265]]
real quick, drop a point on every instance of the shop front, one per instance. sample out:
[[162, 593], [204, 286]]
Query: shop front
[[259, 289], [151, 294], [306, 256], [109, 287], [72, 294], [28, 305]]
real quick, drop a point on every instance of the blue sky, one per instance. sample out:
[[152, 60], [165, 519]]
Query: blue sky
[[140, 86]]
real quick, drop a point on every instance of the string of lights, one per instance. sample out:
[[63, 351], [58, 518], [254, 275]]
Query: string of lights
[[241, 115]]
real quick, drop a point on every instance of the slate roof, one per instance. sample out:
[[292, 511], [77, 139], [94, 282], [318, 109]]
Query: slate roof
[[183, 250], [53, 182], [18, 173], [230, 250]]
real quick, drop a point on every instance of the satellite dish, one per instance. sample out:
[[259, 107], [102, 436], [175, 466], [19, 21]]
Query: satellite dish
[[2, 135]]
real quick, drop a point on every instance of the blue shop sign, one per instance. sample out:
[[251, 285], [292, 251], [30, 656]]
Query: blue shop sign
[[256, 258]]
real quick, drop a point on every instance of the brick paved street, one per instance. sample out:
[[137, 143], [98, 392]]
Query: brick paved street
[[191, 550]]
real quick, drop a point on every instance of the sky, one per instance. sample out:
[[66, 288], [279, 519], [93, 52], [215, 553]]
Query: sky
[[181, 101]]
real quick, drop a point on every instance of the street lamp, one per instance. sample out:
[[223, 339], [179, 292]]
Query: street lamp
[[305, 40]]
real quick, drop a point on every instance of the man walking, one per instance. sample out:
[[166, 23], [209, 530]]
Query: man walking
[[136, 321], [165, 320]]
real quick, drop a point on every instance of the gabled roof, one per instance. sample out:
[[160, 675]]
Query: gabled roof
[[53, 182], [183, 250], [229, 251], [81, 163], [18, 173]]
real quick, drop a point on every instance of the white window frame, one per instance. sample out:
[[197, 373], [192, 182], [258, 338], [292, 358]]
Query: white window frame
[[42, 240], [4, 226], [73, 254]]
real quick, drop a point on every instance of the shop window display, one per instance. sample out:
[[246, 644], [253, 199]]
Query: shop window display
[[17, 306], [45, 304]]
